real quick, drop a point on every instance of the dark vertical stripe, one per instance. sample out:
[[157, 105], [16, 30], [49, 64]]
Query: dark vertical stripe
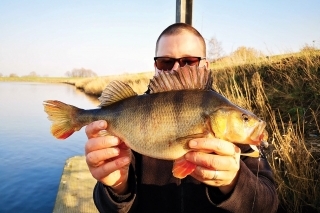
[[178, 100], [116, 114], [204, 104], [146, 115]]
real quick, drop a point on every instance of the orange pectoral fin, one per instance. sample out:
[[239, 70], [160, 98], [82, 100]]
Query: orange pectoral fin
[[182, 168]]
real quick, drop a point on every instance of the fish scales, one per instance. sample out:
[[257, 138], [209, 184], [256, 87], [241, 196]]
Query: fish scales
[[156, 121]]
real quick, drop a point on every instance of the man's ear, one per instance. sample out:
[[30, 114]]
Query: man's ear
[[206, 63]]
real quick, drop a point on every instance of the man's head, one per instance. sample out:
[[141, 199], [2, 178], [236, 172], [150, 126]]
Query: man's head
[[177, 41]]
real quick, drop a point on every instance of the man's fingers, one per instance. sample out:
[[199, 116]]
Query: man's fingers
[[101, 143], [92, 129], [213, 177], [96, 158], [210, 161], [107, 168], [216, 145]]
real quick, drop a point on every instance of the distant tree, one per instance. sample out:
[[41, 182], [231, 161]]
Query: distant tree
[[33, 74], [13, 75], [215, 50], [246, 53], [1, 74], [82, 72], [68, 74]]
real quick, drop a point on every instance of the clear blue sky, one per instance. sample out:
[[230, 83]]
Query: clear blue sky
[[115, 37]]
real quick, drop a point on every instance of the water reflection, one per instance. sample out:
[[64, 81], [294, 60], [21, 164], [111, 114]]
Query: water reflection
[[31, 159]]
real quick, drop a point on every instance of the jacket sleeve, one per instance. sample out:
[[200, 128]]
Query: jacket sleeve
[[106, 200], [255, 189]]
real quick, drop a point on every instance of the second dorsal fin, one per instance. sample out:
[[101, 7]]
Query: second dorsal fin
[[185, 78], [114, 92]]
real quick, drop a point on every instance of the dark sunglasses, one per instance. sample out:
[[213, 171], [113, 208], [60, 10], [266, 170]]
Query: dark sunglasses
[[166, 63]]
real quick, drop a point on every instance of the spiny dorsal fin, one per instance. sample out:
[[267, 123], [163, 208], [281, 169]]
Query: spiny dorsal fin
[[185, 78], [114, 92]]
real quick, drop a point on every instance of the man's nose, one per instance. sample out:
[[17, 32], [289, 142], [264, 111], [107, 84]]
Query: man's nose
[[175, 66]]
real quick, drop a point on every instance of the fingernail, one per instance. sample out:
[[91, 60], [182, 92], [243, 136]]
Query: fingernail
[[126, 160], [237, 149], [113, 140], [116, 151], [102, 124], [193, 143]]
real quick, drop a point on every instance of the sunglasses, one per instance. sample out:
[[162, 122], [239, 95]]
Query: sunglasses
[[166, 63]]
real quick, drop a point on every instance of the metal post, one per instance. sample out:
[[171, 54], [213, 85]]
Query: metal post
[[184, 11]]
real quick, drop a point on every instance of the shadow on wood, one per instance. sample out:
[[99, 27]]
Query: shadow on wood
[[76, 188]]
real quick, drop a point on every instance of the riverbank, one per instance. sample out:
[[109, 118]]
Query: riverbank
[[34, 79], [92, 86]]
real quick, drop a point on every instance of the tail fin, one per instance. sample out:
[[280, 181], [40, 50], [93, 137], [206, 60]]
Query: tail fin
[[63, 118]]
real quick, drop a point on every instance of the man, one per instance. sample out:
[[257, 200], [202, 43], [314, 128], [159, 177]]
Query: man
[[221, 182]]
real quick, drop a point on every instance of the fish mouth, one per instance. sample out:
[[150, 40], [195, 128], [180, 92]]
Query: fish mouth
[[259, 133]]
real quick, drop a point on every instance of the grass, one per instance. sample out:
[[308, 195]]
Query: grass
[[285, 92], [94, 86], [34, 79]]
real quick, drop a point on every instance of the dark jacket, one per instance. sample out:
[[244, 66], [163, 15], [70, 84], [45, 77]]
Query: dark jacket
[[152, 188]]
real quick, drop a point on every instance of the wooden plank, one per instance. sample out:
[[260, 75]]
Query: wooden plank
[[76, 188]]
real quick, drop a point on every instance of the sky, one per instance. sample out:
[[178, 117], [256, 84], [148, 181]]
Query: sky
[[117, 37]]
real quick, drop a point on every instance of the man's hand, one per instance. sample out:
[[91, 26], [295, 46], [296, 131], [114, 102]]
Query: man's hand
[[107, 157], [217, 162]]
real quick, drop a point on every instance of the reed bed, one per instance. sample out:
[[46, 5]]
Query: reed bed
[[286, 93], [94, 86]]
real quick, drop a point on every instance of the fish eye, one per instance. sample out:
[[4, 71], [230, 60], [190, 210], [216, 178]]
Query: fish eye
[[245, 117]]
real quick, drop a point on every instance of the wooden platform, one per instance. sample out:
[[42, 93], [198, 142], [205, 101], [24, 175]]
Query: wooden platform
[[76, 188]]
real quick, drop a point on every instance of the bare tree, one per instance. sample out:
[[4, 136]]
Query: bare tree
[[1, 74], [68, 74], [33, 74], [82, 72], [215, 50]]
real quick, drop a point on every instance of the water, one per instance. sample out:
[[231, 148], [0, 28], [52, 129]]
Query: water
[[31, 159]]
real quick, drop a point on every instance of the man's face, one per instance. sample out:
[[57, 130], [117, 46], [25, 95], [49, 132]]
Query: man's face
[[181, 45]]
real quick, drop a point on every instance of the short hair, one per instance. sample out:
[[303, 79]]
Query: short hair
[[176, 29]]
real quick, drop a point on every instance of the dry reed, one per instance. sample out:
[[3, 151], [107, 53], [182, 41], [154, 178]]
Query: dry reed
[[286, 93]]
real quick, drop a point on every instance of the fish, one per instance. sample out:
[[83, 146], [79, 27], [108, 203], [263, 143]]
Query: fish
[[179, 107]]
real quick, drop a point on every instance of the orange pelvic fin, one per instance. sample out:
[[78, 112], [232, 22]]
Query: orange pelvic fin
[[182, 168], [62, 117]]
